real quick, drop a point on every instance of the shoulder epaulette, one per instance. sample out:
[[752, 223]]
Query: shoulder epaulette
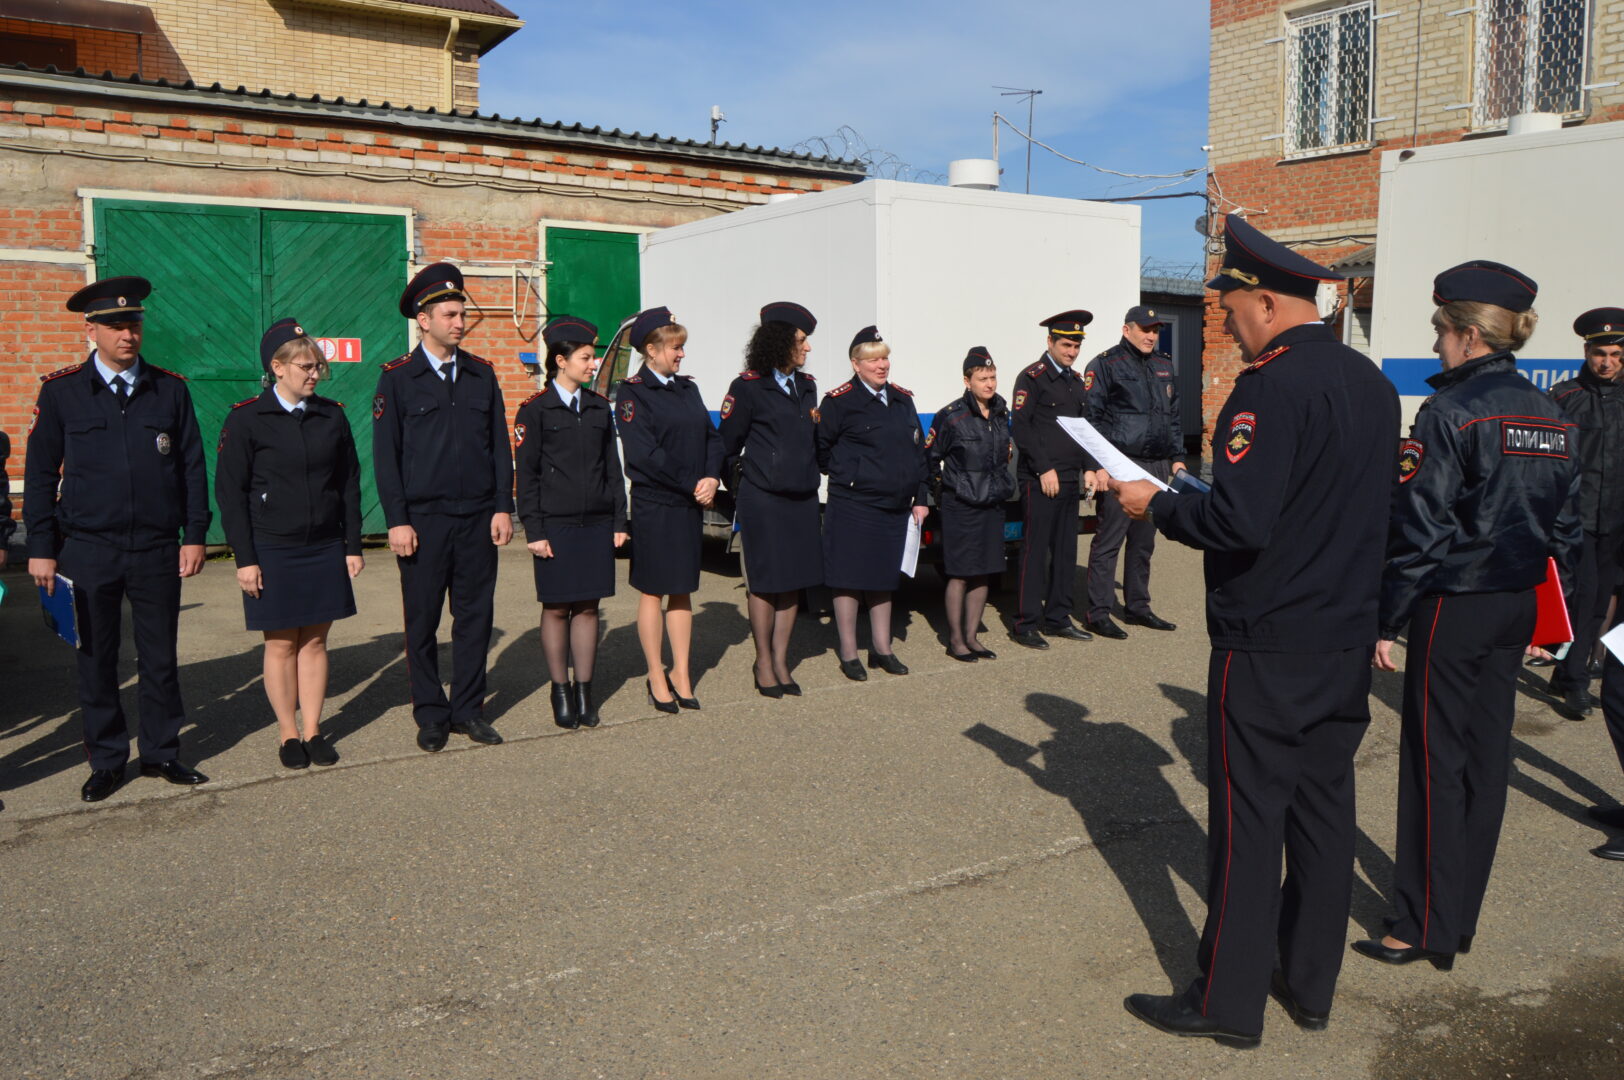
[[1264, 359], [165, 371], [594, 393], [246, 401], [531, 398], [1035, 370], [481, 359], [903, 390], [396, 362], [636, 380], [808, 375], [749, 374], [841, 389], [59, 372]]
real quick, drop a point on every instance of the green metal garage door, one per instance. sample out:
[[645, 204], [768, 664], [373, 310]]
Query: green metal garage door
[[593, 275], [221, 274]]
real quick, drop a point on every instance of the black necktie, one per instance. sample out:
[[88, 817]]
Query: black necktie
[[575, 403], [449, 371], [121, 391]]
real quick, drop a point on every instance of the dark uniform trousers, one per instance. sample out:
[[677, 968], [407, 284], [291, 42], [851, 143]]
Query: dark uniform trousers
[[1460, 687], [1282, 730], [455, 555], [1048, 556], [1612, 702], [1113, 526], [102, 578], [1595, 575]]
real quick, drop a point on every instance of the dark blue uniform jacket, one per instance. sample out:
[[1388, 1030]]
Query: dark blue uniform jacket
[[873, 453], [669, 441], [1133, 401], [569, 466], [970, 453], [769, 433]]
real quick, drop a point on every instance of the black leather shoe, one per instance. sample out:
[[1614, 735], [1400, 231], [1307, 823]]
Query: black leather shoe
[[1169, 1013], [294, 755], [963, 657], [564, 707], [690, 702], [1578, 703], [1593, 669], [669, 707], [1030, 638], [853, 670], [102, 783], [585, 711], [1610, 816], [432, 739], [986, 654], [1304, 1018], [887, 662], [774, 691], [1069, 632], [1613, 849], [1373, 948], [321, 750], [1107, 629], [791, 688], [1149, 620], [175, 773], [479, 731]]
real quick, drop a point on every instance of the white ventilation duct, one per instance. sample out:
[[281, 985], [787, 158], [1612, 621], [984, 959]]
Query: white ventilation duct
[[978, 173], [1530, 122]]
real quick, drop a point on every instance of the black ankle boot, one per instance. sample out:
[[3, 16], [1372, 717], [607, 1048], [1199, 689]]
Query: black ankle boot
[[564, 706], [586, 714]]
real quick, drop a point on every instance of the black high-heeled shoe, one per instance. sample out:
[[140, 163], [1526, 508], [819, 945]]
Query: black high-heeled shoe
[[664, 706], [586, 713], [887, 662], [685, 702], [1373, 948], [792, 688], [853, 670], [564, 707], [775, 691]]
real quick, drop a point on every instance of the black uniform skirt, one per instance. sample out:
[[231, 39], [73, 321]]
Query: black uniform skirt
[[665, 547], [582, 566], [301, 586], [782, 552], [972, 537], [862, 546]]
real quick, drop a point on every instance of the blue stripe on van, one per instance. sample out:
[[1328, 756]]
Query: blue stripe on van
[[1409, 374]]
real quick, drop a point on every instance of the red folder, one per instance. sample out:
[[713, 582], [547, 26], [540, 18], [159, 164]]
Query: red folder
[[1551, 625]]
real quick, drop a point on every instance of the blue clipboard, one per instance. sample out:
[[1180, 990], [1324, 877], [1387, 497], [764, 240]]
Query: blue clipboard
[[60, 611]]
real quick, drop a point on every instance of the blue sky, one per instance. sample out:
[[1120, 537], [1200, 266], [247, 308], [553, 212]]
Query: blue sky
[[1124, 84]]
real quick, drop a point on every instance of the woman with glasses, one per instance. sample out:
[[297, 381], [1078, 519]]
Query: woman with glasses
[[288, 484]]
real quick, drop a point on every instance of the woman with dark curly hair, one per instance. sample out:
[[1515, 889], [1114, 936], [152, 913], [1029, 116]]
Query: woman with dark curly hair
[[767, 426]]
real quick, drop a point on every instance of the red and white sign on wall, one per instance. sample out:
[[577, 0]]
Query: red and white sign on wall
[[341, 350]]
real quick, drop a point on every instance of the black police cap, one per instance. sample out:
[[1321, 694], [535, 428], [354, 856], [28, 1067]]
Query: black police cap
[[646, 323], [1068, 323], [280, 333], [1252, 259], [433, 283], [569, 330], [1140, 315], [1601, 326], [1484, 282], [112, 300], [977, 357], [863, 337], [794, 314]]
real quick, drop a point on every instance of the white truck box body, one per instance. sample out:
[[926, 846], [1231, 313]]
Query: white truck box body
[[1546, 203]]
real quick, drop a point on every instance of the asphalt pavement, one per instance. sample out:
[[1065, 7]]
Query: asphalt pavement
[[960, 872]]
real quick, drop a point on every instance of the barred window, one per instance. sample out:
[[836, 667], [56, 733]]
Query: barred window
[[1530, 57], [1329, 59]]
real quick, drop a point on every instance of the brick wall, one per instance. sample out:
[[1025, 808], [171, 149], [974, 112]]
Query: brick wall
[[477, 202], [1326, 205]]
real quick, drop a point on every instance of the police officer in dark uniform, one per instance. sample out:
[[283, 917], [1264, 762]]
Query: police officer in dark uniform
[[1595, 401], [1293, 530], [7, 524], [119, 436], [572, 500], [771, 463], [968, 452], [1133, 402], [1052, 472], [288, 483], [871, 445], [445, 480], [674, 459], [1488, 494]]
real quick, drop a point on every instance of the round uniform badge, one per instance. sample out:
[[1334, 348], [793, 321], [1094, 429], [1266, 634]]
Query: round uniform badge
[[163, 442], [628, 409], [1088, 380], [1410, 452], [518, 434], [1242, 431], [916, 436]]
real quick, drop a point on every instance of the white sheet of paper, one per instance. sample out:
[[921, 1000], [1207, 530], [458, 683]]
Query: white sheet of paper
[[1114, 461], [1614, 640], [910, 546]]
